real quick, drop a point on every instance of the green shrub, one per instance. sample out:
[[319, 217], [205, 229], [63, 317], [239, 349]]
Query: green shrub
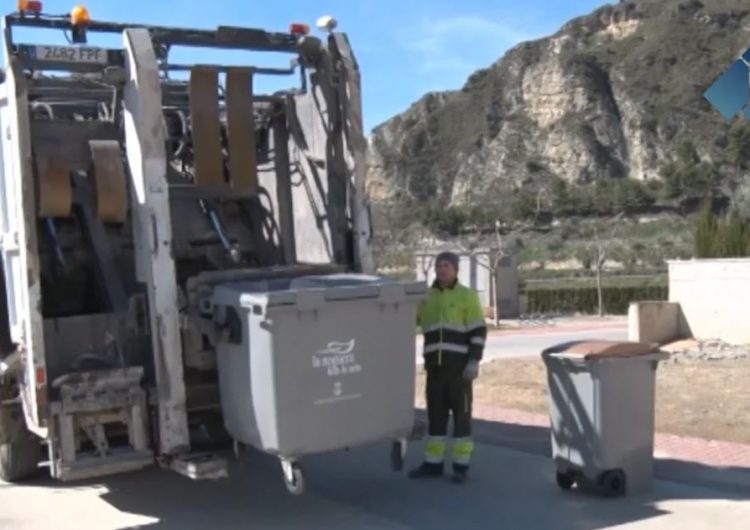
[[688, 179], [585, 300], [732, 237], [738, 150], [705, 233], [728, 238], [449, 221]]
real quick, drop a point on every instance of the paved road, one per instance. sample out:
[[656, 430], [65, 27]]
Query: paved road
[[531, 342], [517, 345], [357, 490]]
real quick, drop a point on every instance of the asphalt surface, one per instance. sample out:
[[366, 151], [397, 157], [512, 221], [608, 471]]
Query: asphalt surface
[[527, 343], [510, 344], [512, 489], [357, 489]]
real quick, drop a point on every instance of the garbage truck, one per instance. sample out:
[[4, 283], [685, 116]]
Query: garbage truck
[[140, 199]]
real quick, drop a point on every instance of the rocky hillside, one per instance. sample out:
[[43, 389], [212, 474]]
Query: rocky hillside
[[611, 95]]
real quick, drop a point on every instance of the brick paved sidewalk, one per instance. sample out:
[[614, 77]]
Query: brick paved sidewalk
[[707, 452], [666, 446]]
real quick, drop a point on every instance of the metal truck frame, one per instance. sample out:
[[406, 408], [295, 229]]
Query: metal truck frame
[[128, 191]]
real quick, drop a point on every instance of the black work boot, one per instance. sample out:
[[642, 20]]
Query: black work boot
[[427, 470], [460, 473]]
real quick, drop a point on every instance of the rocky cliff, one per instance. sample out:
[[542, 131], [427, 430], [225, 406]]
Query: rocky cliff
[[610, 95]]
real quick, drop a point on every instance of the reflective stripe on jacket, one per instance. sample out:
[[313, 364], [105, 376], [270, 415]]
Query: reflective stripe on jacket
[[453, 324]]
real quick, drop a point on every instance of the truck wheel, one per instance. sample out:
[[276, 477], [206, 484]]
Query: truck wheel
[[18, 460], [20, 450], [565, 480]]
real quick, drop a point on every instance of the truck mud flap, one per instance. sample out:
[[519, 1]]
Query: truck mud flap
[[243, 170], [109, 181], [54, 189], [206, 129]]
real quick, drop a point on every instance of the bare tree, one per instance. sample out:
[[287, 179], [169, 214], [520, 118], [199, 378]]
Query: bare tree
[[501, 250], [600, 249], [426, 265]]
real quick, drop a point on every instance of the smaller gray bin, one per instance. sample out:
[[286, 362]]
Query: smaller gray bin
[[601, 399], [317, 363]]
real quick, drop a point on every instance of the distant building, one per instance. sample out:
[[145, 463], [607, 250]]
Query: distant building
[[475, 271], [714, 298], [709, 299]]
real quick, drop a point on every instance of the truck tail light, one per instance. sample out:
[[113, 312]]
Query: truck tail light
[[299, 29], [30, 6]]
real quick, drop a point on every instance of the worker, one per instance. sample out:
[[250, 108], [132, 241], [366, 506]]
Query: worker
[[454, 329]]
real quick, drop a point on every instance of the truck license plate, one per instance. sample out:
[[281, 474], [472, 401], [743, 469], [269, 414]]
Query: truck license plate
[[71, 54]]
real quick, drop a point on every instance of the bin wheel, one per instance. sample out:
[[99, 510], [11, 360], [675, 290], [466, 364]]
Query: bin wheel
[[565, 480], [294, 478], [613, 483], [398, 452]]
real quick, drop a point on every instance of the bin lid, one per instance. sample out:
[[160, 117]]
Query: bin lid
[[602, 349], [315, 289]]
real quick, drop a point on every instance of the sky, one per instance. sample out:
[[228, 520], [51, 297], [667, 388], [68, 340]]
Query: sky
[[405, 48]]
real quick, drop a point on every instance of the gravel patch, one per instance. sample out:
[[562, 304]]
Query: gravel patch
[[707, 350]]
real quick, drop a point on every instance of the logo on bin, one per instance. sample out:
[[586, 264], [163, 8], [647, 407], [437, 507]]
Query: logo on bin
[[338, 348], [337, 358]]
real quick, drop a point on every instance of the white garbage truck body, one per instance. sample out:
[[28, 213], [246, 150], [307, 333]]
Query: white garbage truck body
[[130, 187]]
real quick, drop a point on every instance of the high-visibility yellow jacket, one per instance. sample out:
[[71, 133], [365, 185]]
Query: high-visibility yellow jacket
[[453, 325]]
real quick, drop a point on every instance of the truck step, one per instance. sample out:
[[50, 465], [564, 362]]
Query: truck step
[[200, 466], [119, 461]]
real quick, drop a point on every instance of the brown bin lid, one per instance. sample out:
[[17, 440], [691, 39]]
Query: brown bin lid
[[601, 349]]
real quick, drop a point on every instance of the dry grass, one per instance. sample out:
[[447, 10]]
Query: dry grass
[[705, 399], [694, 398]]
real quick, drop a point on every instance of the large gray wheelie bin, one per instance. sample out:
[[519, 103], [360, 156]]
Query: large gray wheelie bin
[[317, 363], [601, 398]]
